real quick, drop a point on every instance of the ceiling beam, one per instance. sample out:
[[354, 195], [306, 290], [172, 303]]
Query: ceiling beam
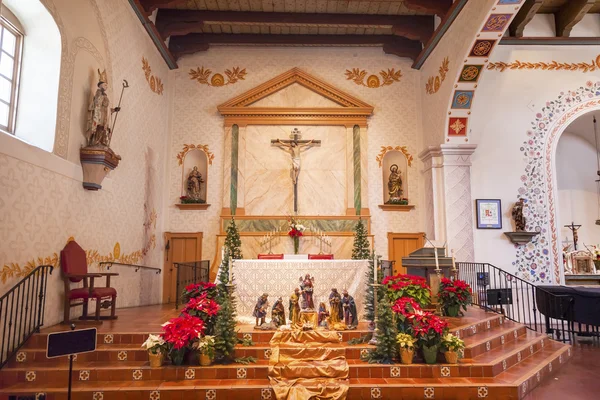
[[524, 16], [437, 7], [195, 42], [570, 14], [151, 5], [181, 22], [551, 41]]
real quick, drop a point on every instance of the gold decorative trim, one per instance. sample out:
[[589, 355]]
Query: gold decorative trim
[[435, 82], [551, 66], [203, 147], [155, 83], [386, 149], [192, 206], [201, 75], [372, 81], [14, 270]]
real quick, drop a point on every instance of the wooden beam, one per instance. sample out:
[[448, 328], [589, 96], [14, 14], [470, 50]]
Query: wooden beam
[[570, 14], [437, 7], [151, 5], [194, 42], [181, 22], [524, 16], [551, 41]]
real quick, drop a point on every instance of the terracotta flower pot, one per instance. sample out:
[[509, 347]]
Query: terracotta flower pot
[[205, 360], [451, 357], [430, 354], [156, 360], [406, 356]]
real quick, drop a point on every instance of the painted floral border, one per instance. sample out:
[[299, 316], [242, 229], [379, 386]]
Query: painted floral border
[[539, 260]]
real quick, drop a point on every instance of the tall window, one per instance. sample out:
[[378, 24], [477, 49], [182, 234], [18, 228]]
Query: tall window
[[11, 42]]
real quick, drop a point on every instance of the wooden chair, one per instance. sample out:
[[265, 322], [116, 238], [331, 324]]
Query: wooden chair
[[270, 256], [74, 267], [320, 256]]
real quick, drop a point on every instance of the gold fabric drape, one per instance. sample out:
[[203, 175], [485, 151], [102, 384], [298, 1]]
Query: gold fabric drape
[[308, 365]]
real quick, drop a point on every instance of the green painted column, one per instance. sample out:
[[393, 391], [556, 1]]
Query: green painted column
[[357, 171], [235, 136]]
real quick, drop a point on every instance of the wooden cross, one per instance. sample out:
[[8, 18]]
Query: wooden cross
[[295, 146], [574, 229]]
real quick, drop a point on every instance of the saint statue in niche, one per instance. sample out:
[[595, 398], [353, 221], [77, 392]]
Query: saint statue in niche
[[194, 184], [395, 184], [98, 131], [517, 214], [306, 286]]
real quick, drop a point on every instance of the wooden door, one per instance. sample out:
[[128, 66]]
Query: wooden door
[[401, 245], [182, 247]]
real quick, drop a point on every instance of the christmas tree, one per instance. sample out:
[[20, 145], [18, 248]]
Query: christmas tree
[[225, 333], [387, 348], [360, 251], [233, 243]]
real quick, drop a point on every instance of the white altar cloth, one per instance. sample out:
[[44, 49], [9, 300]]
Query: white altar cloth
[[252, 278], [295, 256]]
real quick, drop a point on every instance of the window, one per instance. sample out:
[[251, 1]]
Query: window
[[11, 41]]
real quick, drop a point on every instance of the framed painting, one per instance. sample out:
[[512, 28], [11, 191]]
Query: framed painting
[[489, 213]]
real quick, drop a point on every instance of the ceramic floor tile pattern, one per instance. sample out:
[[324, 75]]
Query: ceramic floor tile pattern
[[533, 363]]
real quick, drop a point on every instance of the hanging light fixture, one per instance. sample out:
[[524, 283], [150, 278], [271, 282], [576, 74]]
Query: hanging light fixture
[[598, 170]]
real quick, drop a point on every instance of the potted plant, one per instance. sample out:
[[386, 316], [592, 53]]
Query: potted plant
[[206, 349], [454, 295], [452, 347], [407, 347], [155, 345], [403, 307], [201, 304], [179, 333], [428, 329], [411, 286]]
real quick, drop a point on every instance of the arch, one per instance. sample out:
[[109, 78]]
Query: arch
[[540, 261]]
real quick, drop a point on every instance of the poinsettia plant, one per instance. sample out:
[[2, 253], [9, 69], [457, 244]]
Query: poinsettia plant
[[402, 308], [204, 308], [411, 286], [197, 289], [427, 328], [454, 295], [155, 344], [181, 331], [452, 343]]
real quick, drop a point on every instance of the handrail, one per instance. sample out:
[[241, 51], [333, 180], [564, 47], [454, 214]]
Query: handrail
[[195, 271], [521, 301], [137, 267], [22, 311]]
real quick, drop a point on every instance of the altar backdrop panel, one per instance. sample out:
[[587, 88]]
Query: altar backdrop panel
[[268, 188], [252, 278]]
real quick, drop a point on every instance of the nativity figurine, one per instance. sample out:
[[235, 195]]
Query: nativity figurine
[[278, 313], [295, 307], [335, 306], [194, 184], [306, 286], [260, 309], [323, 315], [517, 214], [349, 308]]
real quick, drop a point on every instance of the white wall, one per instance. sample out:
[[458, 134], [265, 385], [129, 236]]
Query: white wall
[[578, 198]]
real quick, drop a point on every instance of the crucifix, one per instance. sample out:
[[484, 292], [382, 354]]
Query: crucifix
[[574, 229], [295, 146]]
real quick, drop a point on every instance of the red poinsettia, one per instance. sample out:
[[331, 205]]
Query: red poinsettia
[[454, 295], [406, 306], [427, 327], [408, 286], [197, 289], [201, 305], [180, 331]]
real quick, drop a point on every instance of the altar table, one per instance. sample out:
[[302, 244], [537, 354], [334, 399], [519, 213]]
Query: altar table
[[278, 278]]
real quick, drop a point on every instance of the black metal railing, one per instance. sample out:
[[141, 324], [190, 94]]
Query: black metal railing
[[521, 301], [109, 264], [22, 311], [189, 273]]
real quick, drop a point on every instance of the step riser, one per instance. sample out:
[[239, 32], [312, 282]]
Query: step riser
[[495, 342]]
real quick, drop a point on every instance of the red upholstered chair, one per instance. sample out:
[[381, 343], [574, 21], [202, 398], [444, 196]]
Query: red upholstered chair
[[320, 256], [270, 256], [74, 267]]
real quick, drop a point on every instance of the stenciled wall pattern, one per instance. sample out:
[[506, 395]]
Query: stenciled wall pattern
[[40, 207], [195, 120]]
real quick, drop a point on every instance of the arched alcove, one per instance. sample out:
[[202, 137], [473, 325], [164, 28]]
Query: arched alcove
[[194, 177], [395, 163]]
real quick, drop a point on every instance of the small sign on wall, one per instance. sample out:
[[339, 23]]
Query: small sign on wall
[[489, 213]]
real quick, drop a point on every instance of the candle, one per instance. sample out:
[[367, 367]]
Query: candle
[[375, 281], [437, 263], [453, 261]]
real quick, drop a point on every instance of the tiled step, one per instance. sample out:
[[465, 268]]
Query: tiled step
[[482, 342]]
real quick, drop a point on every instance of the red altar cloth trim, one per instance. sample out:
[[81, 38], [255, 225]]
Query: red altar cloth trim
[[270, 256], [320, 256]]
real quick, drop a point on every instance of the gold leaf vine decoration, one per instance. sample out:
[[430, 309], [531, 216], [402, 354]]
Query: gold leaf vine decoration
[[386, 149], [546, 66], [14, 270], [372, 81], [155, 83], [435, 82], [203, 147], [202, 76]]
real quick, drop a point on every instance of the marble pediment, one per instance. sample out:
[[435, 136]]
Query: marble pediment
[[295, 97]]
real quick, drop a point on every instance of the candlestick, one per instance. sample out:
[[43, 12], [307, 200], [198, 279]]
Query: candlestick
[[454, 270], [375, 281], [437, 263]]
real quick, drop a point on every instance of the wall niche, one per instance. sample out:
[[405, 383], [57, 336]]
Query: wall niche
[[194, 161], [395, 163]]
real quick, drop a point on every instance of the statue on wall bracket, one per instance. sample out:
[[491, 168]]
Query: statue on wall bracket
[[395, 186], [97, 158]]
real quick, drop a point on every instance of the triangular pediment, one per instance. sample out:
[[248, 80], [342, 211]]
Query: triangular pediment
[[294, 95]]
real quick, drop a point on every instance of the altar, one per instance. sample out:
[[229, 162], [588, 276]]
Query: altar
[[278, 278]]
